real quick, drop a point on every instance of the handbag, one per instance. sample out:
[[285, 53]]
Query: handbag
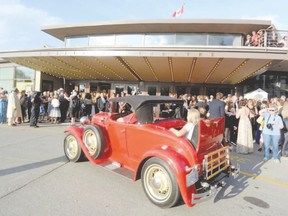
[[260, 119]]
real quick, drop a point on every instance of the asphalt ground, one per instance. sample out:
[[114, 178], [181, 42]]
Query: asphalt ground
[[36, 179]]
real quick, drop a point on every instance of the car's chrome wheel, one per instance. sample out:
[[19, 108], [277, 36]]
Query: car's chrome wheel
[[72, 148], [93, 140], [159, 183]]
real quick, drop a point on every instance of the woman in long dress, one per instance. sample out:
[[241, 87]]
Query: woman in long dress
[[13, 107], [244, 137], [3, 107], [55, 110]]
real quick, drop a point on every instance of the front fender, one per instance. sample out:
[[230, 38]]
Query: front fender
[[178, 164], [78, 132]]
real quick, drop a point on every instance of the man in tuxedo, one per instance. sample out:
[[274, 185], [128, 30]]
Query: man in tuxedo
[[234, 121], [217, 106]]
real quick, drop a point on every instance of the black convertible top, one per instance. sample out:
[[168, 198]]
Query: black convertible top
[[137, 101]]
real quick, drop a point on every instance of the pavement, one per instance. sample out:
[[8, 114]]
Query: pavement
[[37, 179]]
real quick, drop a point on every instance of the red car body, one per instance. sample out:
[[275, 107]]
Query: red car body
[[167, 164]]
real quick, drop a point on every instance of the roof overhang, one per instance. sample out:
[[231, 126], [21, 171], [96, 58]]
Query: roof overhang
[[240, 26], [217, 65]]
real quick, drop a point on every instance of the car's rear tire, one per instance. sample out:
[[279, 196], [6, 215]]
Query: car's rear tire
[[159, 183], [72, 149], [94, 141]]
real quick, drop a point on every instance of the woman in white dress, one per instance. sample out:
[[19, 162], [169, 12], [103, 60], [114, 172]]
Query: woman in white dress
[[55, 110], [13, 107], [244, 137]]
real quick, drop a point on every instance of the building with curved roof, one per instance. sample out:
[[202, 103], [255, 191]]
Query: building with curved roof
[[159, 56]]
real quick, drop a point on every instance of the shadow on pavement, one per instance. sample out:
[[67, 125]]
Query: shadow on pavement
[[22, 168]]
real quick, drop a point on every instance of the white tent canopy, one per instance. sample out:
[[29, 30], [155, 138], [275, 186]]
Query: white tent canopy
[[257, 94]]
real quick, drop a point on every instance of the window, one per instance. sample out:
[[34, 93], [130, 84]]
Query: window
[[156, 40], [24, 73], [130, 40], [131, 90], [81, 87], [159, 40], [76, 41], [105, 40], [151, 90], [191, 39], [119, 90], [224, 40], [20, 77], [7, 73], [93, 87], [47, 85], [195, 91], [105, 88], [164, 91], [180, 90]]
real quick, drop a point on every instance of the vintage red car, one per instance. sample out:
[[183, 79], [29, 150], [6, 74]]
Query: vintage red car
[[139, 145]]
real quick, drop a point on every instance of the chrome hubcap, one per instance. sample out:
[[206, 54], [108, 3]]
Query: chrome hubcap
[[90, 141], [158, 182], [72, 146]]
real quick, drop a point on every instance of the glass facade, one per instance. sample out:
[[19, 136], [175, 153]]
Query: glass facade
[[24, 73], [133, 40], [156, 40], [191, 40], [102, 40], [77, 41], [21, 77], [152, 90], [159, 40], [274, 83], [164, 91], [223, 40], [119, 90]]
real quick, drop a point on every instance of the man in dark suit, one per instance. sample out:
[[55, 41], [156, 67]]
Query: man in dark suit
[[101, 102], [217, 106], [234, 121]]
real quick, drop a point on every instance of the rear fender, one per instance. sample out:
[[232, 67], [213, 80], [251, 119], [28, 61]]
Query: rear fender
[[178, 164]]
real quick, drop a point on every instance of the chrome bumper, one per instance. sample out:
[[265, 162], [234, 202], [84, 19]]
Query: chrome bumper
[[213, 189]]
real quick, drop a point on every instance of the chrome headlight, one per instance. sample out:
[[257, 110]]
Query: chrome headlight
[[84, 120]]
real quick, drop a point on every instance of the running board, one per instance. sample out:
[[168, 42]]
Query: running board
[[116, 168]]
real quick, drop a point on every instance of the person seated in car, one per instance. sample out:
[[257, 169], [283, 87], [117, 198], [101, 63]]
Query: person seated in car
[[193, 116], [130, 118]]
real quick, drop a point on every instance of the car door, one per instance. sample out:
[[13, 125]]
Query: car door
[[117, 140]]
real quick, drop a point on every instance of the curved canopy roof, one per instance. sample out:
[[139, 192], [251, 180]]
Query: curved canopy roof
[[218, 65], [172, 64], [158, 26]]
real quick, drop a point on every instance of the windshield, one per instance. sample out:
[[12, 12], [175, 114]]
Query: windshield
[[150, 113]]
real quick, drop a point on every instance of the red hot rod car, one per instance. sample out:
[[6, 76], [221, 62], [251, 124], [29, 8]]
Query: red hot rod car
[[139, 145]]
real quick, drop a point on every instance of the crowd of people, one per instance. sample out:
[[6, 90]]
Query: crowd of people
[[56, 107], [247, 121], [268, 38]]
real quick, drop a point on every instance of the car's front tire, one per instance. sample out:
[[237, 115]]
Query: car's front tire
[[159, 183], [72, 149], [94, 141]]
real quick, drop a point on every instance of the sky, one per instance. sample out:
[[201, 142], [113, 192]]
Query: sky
[[21, 20]]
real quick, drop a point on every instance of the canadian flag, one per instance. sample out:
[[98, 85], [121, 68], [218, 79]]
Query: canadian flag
[[178, 12]]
